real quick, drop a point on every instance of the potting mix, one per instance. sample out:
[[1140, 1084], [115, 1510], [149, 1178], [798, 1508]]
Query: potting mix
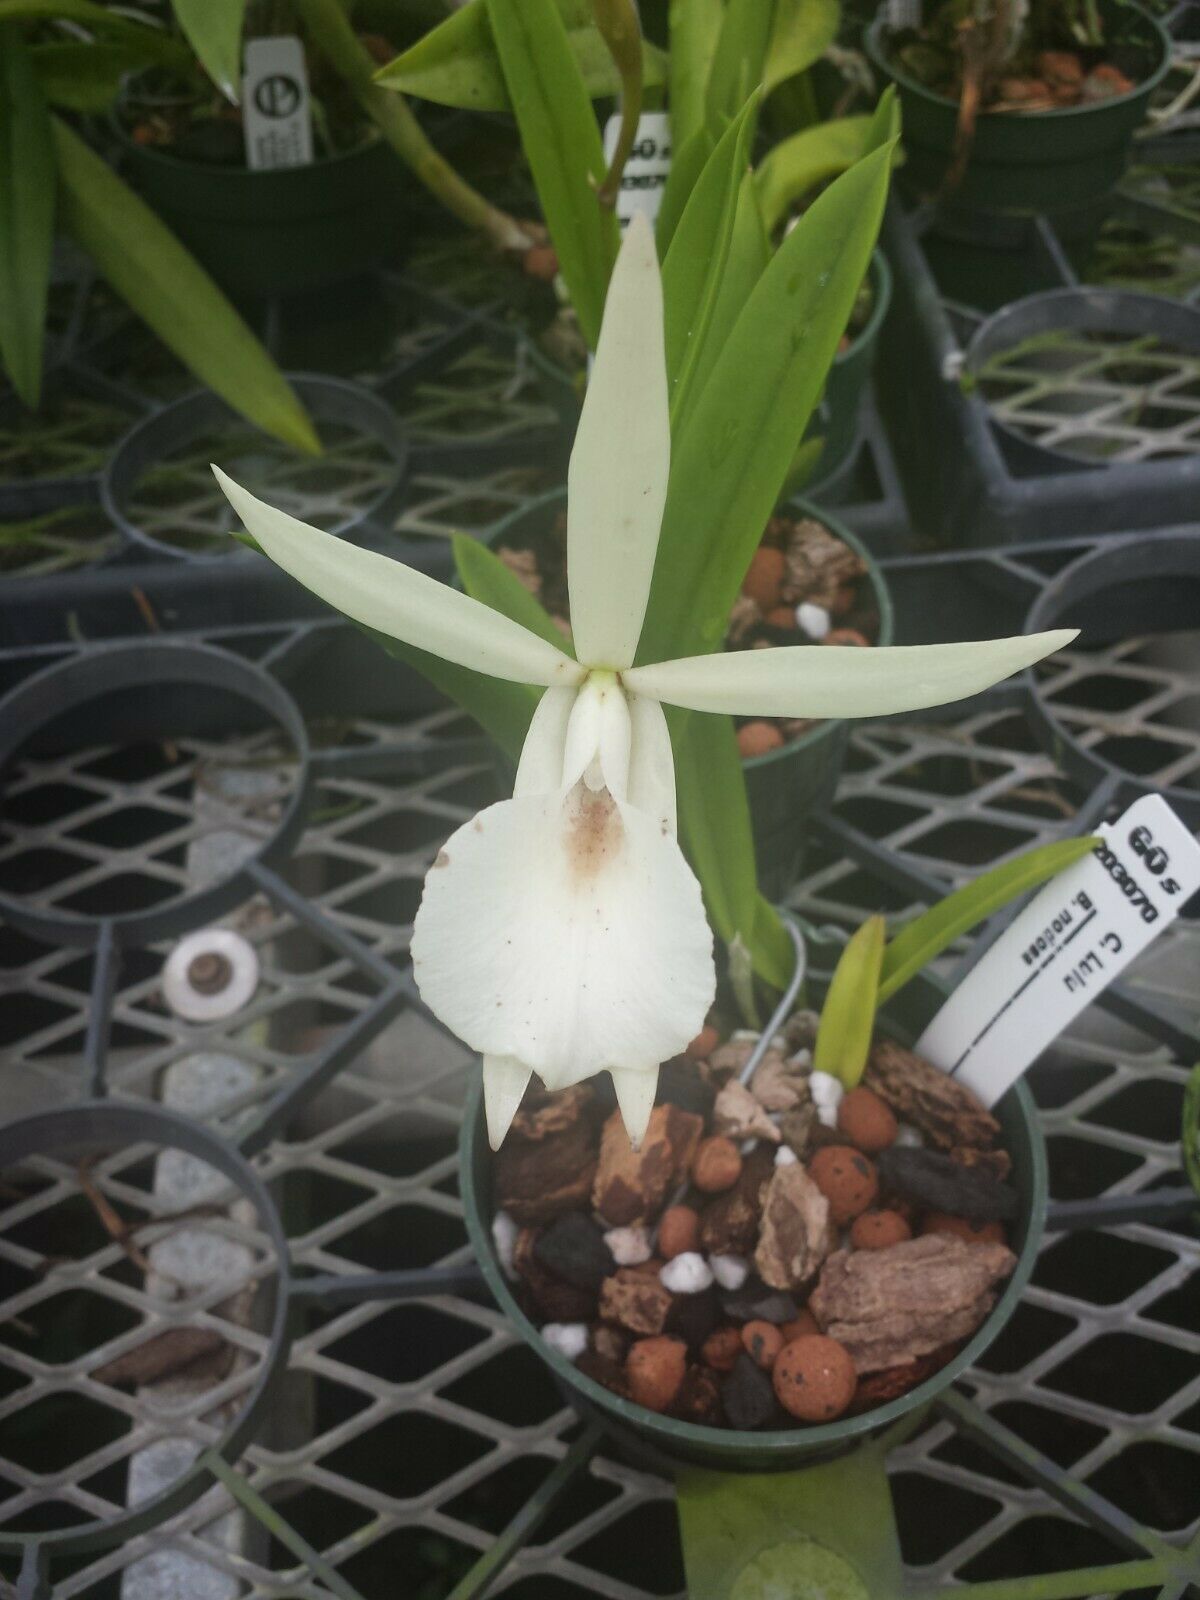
[[775, 1254]]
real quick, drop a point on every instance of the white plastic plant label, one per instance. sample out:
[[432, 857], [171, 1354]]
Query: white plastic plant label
[[275, 104], [1073, 938], [645, 174]]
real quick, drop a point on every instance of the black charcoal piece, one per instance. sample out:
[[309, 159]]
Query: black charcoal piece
[[931, 1179], [748, 1396], [693, 1317], [573, 1248]]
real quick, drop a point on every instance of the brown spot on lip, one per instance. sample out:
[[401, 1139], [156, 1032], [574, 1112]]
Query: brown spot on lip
[[593, 830]]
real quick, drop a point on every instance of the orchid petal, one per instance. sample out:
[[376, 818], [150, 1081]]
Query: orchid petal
[[652, 764], [567, 933], [397, 600], [540, 769], [598, 738], [617, 478], [504, 1084], [636, 1088], [827, 681]]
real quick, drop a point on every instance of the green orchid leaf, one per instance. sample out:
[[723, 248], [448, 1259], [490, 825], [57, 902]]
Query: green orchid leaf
[[848, 1015], [801, 33], [26, 215], [745, 263], [457, 63], [935, 930], [809, 158], [743, 428], [1190, 1133], [716, 833], [173, 295], [105, 22], [79, 76], [562, 144], [737, 68], [794, 166], [688, 161], [213, 28], [694, 26], [485, 577], [694, 269]]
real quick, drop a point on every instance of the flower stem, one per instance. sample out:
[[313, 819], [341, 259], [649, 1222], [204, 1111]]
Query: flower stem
[[330, 29]]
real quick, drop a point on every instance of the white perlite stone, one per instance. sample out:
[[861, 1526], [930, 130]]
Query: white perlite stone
[[909, 1137], [629, 1246], [812, 620], [730, 1272], [568, 1338], [686, 1274], [785, 1156], [827, 1093], [504, 1237]]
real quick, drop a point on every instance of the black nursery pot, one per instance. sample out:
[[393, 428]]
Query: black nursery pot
[[1053, 162], [1143, 586], [661, 1438], [282, 230], [787, 786]]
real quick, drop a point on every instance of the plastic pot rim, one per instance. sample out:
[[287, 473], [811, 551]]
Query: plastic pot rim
[[248, 176]]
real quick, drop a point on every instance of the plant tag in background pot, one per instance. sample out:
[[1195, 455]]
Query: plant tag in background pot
[[645, 174], [1072, 939], [275, 104]]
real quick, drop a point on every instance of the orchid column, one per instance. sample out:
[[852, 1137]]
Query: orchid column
[[562, 932]]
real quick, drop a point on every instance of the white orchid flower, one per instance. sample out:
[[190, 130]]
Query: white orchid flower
[[562, 932]]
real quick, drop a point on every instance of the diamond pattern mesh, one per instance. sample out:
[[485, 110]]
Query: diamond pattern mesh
[[1098, 396], [409, 1434]]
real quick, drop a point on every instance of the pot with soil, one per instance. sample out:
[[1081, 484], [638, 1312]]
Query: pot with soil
[[779, 1274], [1054, 132], [811, 581], [271, 231]]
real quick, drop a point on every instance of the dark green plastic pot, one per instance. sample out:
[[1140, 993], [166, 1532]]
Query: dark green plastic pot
[[285, 230], [1052, 162], [788, 785], [686, 1444], [836, 420]]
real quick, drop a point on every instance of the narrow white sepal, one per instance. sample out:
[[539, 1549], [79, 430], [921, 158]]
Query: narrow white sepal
[[651, 762], [397, 600], [504, 1084], [617, 478], [825, 681], [540, 768], [636, 1088]]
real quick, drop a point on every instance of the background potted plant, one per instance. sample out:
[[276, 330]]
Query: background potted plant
[[1022, 108], [51, 179], [270, 231]]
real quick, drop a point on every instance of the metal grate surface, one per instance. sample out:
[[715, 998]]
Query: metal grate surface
[[1098, 396], [411, 1431]]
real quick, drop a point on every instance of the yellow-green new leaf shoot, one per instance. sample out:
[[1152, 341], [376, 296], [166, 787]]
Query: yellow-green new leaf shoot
[[848, 1015], [926, 936]]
